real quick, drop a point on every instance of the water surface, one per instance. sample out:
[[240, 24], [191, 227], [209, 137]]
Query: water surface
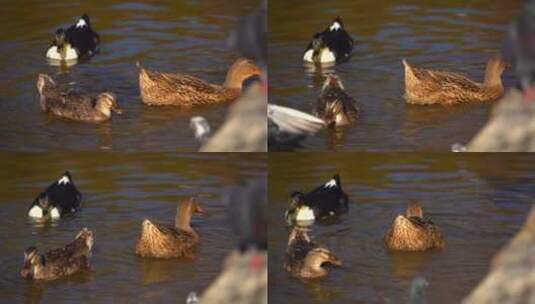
[[173, 36], [119, 192], [455, 36], [479, 202]]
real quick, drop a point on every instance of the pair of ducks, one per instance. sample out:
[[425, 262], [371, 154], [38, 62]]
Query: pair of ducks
[[62, 198], [306, 259], [156, 89], [422, 86]]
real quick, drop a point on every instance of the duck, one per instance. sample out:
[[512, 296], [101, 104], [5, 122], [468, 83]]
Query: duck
[[425, 87], [79, 40], [57, 200], [305, 259], [174, 89], [413, 232], [59, 262], [73, 105], [165, 241], [334, 105], [332, 45], [325, 201]]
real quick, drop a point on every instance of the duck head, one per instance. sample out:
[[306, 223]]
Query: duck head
[[44, 82], [493, 73], [334, 111], [317, 47], [239, 71], [87, 237], [33, 262], [315, 261], [106, 103]]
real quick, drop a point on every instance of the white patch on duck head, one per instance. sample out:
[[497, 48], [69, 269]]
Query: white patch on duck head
[[308, 55], [54, 213], [305, 213], [331, 183], [64, 180], [36, 212], [335, 26], [81, 23]]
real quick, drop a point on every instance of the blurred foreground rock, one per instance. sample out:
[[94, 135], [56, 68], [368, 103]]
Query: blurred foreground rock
[[243, 280], [245, 129], [511, 127], [511, 278]]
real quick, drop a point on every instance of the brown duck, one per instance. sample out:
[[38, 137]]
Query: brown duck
[[306, 259], [412, 232], [334, 105], [424, 86], [162, 241], [73, 105], [59, 262], [174, 89]]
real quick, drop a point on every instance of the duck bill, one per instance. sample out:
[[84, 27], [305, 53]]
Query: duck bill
[[335, 261], [117, 110], [200, 210]]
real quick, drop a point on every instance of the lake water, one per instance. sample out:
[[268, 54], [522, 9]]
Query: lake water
[[119, 192], [479, 202], [447, 35]]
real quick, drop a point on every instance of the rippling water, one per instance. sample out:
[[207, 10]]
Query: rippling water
[[479, 201], [119, 191], [174, 36], [449, 35]]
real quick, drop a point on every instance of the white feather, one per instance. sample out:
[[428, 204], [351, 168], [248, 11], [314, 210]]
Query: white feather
[[54, 213], [71, 53], [335, 26], [294, 121], [327, 56], [53, 53], [36, 212], [81, 23], [331, 183], [308, 55], [305, 213], [64, 180]]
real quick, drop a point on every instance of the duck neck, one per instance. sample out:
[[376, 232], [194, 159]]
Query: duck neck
[[493, 76], [105, 110], [183, 218]]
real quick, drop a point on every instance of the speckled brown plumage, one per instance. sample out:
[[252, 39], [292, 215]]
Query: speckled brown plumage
[[413, 232], [73, 105], [59, 262], [334, 105], [163, 241], [166, 89], [423, 86]]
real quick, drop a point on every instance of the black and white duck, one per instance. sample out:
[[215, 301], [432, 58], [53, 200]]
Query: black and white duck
[[325, 201], [79, 40], [73, 105], [332, 45], [58, 199], [59, 262]]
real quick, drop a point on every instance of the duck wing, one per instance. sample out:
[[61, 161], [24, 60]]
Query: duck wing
[[338, 41], [181, 236], [62, 193], [328, 199], [83, 39], [440, 81]]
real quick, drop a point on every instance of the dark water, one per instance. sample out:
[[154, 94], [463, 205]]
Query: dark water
[[479, 201], [120, 190], [448, 35], [175, 36]]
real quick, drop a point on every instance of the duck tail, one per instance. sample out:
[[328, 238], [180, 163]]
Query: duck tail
[[414, 210]]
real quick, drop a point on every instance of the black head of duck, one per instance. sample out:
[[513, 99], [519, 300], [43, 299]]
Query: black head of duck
[[413, 232], [77, 41], [332, 45], [334, 105], [305, 259], [165, 241], [325, 201], [59, 262], [57, 200]]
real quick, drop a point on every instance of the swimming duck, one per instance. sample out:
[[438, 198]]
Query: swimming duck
[[325, 201], [73, 105], [305, 259], [59, 199], [164, 89], [59, 262], [334, 105], [162, 241], [77, 41], [424, 86], [334, 44], [413, 232]]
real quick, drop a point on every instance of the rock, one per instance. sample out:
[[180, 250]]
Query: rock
[[511, 278], [511, 127]]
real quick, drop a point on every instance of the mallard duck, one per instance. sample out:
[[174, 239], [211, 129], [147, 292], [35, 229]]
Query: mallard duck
[[75, 106], [334, 105], [59, 199], [305, 259], [77, 41], [413, 232], [325, 201], [434, 87], [162, 241], [334, 44], [166, 89], [59, 262]]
